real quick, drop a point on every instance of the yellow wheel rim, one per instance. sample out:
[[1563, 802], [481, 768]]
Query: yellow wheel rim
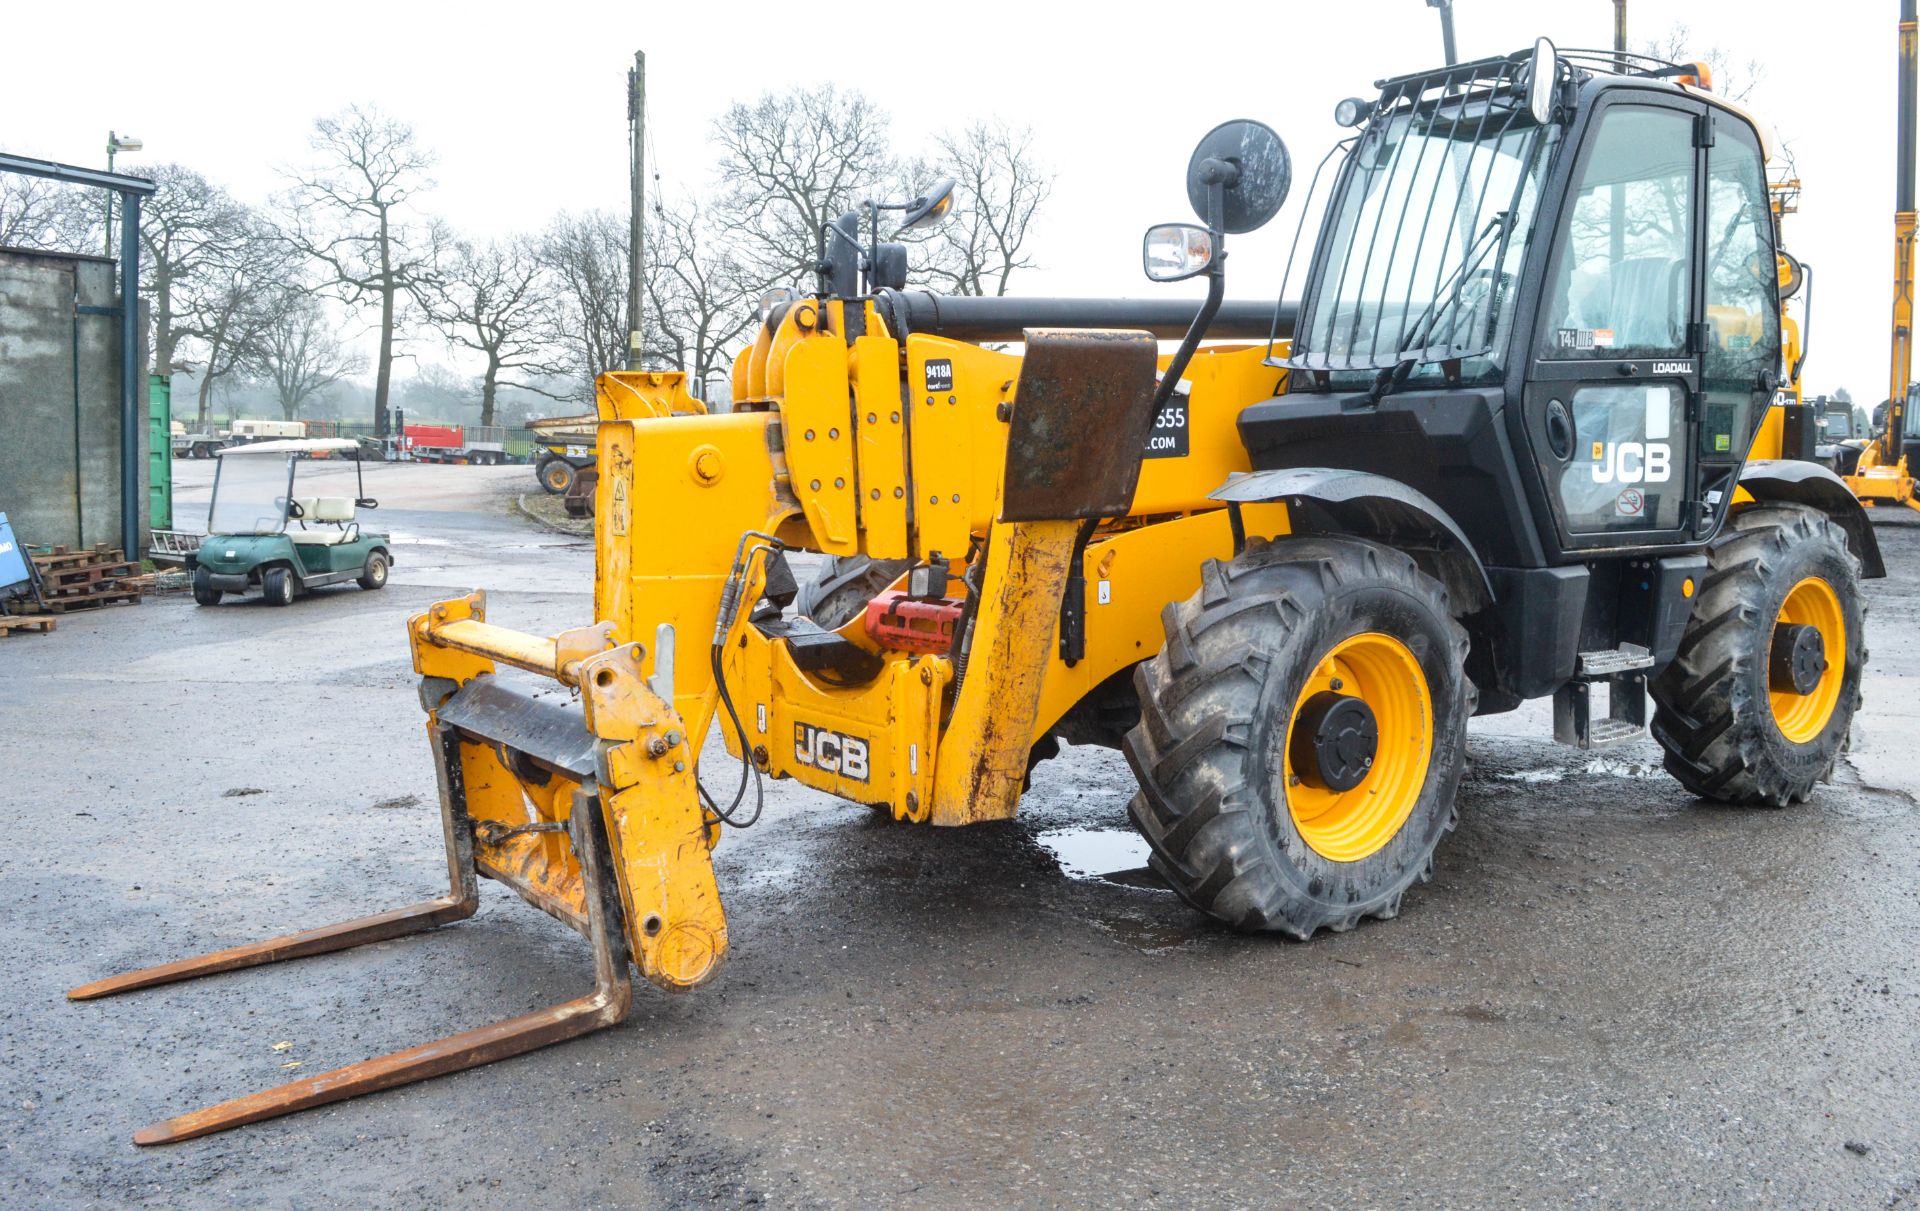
[[1346, 826], [1802, 717]]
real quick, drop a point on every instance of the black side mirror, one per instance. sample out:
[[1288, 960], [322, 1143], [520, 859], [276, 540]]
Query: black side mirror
[[1249, 159], [930, 207]]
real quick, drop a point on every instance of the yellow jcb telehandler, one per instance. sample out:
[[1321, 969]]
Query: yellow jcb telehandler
[[1510, 443]]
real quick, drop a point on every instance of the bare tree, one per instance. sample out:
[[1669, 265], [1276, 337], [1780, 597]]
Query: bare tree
[[438, 392], [300, 356], [584, 324], [792, 162], [48, 215], [999, 185], [231, 304], [700, 295], [352, 214], [190, 229], [489, 298]]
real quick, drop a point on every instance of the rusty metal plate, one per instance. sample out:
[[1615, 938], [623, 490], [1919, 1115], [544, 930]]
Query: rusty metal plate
[[1081, 415], [551, 731]]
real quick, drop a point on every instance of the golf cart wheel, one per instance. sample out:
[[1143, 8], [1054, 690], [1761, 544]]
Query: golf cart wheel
[[1302, 735], [557, 476], [844, 587], [276, 585], [374, 575], [203, 591], [1757, 705]]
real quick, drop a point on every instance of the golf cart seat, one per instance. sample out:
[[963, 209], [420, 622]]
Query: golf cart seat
[[321, 509]]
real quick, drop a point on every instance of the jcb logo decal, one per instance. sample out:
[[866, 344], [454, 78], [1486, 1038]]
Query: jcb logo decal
[[1632, 463], [830, 752]]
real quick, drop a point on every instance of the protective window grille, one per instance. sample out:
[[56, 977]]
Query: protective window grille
[[1413, 265]]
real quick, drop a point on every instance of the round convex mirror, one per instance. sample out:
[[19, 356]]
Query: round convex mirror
[[1266, 172]]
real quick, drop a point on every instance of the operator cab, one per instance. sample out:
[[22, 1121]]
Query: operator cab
[[1561, 259]]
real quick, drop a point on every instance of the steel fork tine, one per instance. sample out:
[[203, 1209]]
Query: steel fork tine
[[605, 1006], [460, 902], [415, 918]]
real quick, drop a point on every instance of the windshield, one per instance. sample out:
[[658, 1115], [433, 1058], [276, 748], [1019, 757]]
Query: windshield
[[1425, 238], [250, 494]]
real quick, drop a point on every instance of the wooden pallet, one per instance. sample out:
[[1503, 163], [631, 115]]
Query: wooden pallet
[[67, 558], [82, 575], [42, 624], [85, 601]]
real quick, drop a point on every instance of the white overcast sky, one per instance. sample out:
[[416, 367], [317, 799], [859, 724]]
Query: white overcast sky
[[525, 103]]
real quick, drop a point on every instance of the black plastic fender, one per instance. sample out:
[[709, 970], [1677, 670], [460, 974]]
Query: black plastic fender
[[1810, 484], [1326, 500]]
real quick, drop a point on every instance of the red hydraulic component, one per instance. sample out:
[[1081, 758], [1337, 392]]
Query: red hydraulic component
[[901, 623]]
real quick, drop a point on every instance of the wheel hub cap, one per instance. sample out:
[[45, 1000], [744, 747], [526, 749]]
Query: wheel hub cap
[[1334, 741], [1798, 658]]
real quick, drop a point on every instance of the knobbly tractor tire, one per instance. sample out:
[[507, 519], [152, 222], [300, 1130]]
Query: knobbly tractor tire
[[844, 587], [374, 574], [1753, 710], [276, 585], [203, 591], [557, 475], [1262, 798]]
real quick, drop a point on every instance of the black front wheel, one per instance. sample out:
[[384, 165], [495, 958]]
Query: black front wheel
[[1757, 706], [557, 476], [1302, 735], [276, 585], [203, 591], [374, 575]]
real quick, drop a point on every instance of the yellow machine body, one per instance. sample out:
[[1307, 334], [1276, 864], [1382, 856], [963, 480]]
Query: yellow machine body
[[825, 451]]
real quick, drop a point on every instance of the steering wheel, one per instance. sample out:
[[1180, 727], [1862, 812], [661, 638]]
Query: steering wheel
[[294, 511]]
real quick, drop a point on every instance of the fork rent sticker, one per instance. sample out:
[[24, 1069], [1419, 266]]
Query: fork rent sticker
[[1168, 437]]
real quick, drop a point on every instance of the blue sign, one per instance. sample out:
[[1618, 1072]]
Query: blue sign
[[13, 561]]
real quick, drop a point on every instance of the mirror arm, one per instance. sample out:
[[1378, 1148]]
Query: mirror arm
[[1216, 293]]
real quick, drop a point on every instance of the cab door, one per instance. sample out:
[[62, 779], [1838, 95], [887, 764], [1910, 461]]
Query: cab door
[[1613, 386]]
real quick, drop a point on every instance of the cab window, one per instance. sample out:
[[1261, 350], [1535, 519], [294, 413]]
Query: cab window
[[1622, 273], [1742, 288]]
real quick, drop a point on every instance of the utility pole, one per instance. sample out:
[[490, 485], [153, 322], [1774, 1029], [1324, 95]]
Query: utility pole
[[636, 238], [1619, 25], [1446, 29]]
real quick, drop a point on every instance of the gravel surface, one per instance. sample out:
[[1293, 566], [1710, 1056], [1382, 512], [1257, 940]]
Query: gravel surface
[[1611, 994]]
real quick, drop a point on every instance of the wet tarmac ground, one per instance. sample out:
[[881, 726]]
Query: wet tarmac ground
[[1610, 995]]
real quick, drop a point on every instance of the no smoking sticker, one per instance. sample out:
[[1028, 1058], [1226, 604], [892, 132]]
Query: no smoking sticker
[[1630, 503]]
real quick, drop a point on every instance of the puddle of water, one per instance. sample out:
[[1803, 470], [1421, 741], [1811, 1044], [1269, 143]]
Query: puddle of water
[[1536, 775], [418, 540], [1116, 855], [1605, 767]]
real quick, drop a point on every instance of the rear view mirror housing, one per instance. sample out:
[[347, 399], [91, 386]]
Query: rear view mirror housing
[[930, 207], [1542, 74], [1246, 161]]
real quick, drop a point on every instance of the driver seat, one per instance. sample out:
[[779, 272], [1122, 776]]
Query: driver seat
[[335, 509]]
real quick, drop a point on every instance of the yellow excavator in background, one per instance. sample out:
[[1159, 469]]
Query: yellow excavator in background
[[1882, 477]]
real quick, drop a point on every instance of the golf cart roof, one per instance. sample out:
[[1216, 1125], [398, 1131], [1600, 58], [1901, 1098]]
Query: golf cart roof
[[292, 445]]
